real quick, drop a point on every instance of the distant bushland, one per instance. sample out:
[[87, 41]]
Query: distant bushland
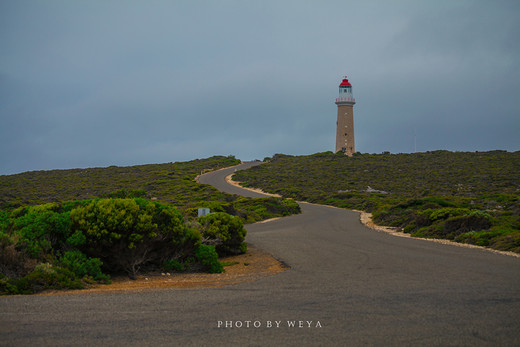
[[170, 183], [462, 196]]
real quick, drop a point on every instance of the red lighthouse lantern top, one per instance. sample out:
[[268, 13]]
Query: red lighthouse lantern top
[[345, 93], [345, 82]]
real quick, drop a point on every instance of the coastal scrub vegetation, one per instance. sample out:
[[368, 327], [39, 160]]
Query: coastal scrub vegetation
[[461, 196], [71, 228]]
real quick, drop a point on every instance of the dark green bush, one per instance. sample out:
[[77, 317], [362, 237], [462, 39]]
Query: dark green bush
[[435, 231], [474, 221], [507, 242], [39, 231], [128, 193], [454, 228], [47, 276], [290, 207], [208, 257], [395, 217], [480, 238], [129, 233], [82, 266], [77, 239], [173, 265], [13, 262], [226, 232], [8, 286]]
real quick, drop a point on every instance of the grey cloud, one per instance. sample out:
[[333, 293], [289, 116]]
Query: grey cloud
[[121, 83]]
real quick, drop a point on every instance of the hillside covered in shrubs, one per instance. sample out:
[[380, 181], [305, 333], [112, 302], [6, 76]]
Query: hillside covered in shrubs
[[70, 228], [466, 197]]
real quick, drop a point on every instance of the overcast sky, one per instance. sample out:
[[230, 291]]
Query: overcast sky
[[99, 83]]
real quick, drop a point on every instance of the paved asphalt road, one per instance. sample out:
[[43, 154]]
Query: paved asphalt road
[[356, 285]]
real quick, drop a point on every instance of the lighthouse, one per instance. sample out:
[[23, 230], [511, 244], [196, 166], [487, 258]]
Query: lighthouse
[[345, 123]]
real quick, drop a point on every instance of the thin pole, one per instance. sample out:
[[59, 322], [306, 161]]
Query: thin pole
[[414, 140]]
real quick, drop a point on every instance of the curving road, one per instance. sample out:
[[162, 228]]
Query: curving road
[[356, 285]]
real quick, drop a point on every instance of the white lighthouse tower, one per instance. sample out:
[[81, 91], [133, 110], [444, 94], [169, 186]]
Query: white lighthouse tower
[[345, 123]]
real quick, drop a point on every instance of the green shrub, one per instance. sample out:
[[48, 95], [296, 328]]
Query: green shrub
[[243, 248], [438, 201], [507, 242], [4, 221], [128, 193], [47, 276], [41, 230], [445, 213], [129, 233], [410, 228], [479, 238], [8, 286], [225, 231], [77, 239], [208, 257], [52, 207], [291, 207], [435, 231], [14, 260], [452, 227], [395, 217], [82, 266], [462, 224], [173, 265]]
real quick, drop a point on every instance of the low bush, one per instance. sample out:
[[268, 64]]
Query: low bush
[[173, 265], [208, 257], [225, 232], [83, 266], [44, 276], [480, 238], [41, 230], [474, 221], [509, 241], [129, 233]]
